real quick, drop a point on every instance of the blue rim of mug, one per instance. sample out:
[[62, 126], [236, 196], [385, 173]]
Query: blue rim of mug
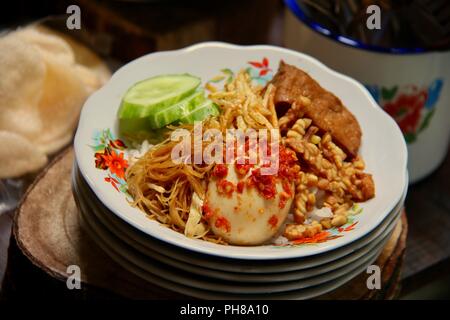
[[300, 14]]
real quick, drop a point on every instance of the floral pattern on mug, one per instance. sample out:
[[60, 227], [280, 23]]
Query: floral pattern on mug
[[411, 106]]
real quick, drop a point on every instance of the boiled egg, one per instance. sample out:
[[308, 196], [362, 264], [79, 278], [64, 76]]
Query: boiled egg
[[241, 215]]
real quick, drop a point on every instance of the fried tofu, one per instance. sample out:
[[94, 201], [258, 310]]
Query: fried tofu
[[325, 110]]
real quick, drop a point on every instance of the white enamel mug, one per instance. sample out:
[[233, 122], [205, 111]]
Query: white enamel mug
[[413, 86]]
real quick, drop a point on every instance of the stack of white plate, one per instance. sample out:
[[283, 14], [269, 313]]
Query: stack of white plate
[[201, 269]]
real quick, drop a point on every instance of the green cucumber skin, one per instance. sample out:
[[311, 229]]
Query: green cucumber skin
[[153, 136], [201, 112], [185, 104], [133, 125], [129, 110], [176, 111]]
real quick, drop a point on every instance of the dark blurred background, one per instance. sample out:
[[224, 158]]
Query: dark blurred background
[[159, 24]]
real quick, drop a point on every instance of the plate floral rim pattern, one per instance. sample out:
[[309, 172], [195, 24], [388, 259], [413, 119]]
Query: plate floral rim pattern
[[330, 234], [109, 154]]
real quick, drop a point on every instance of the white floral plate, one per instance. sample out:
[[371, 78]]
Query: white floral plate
[[200, 277], [232, 269], [383, 147], [116, 248], [307, 293], [334, 267]]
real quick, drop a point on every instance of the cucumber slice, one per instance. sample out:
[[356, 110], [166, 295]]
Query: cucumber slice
[[151, 95], [154, 136], [177, 111], [208, 108], [134, 126]]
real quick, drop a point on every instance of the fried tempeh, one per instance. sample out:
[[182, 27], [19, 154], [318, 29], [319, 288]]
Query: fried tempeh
[[325, 110]]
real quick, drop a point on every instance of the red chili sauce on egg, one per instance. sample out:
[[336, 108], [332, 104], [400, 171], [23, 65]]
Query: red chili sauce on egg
[[222, 222], [288, 170], [225, 187], [207, 212], [273, 221], [220, 171]]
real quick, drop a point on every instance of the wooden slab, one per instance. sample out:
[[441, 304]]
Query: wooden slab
[[48, 231]]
